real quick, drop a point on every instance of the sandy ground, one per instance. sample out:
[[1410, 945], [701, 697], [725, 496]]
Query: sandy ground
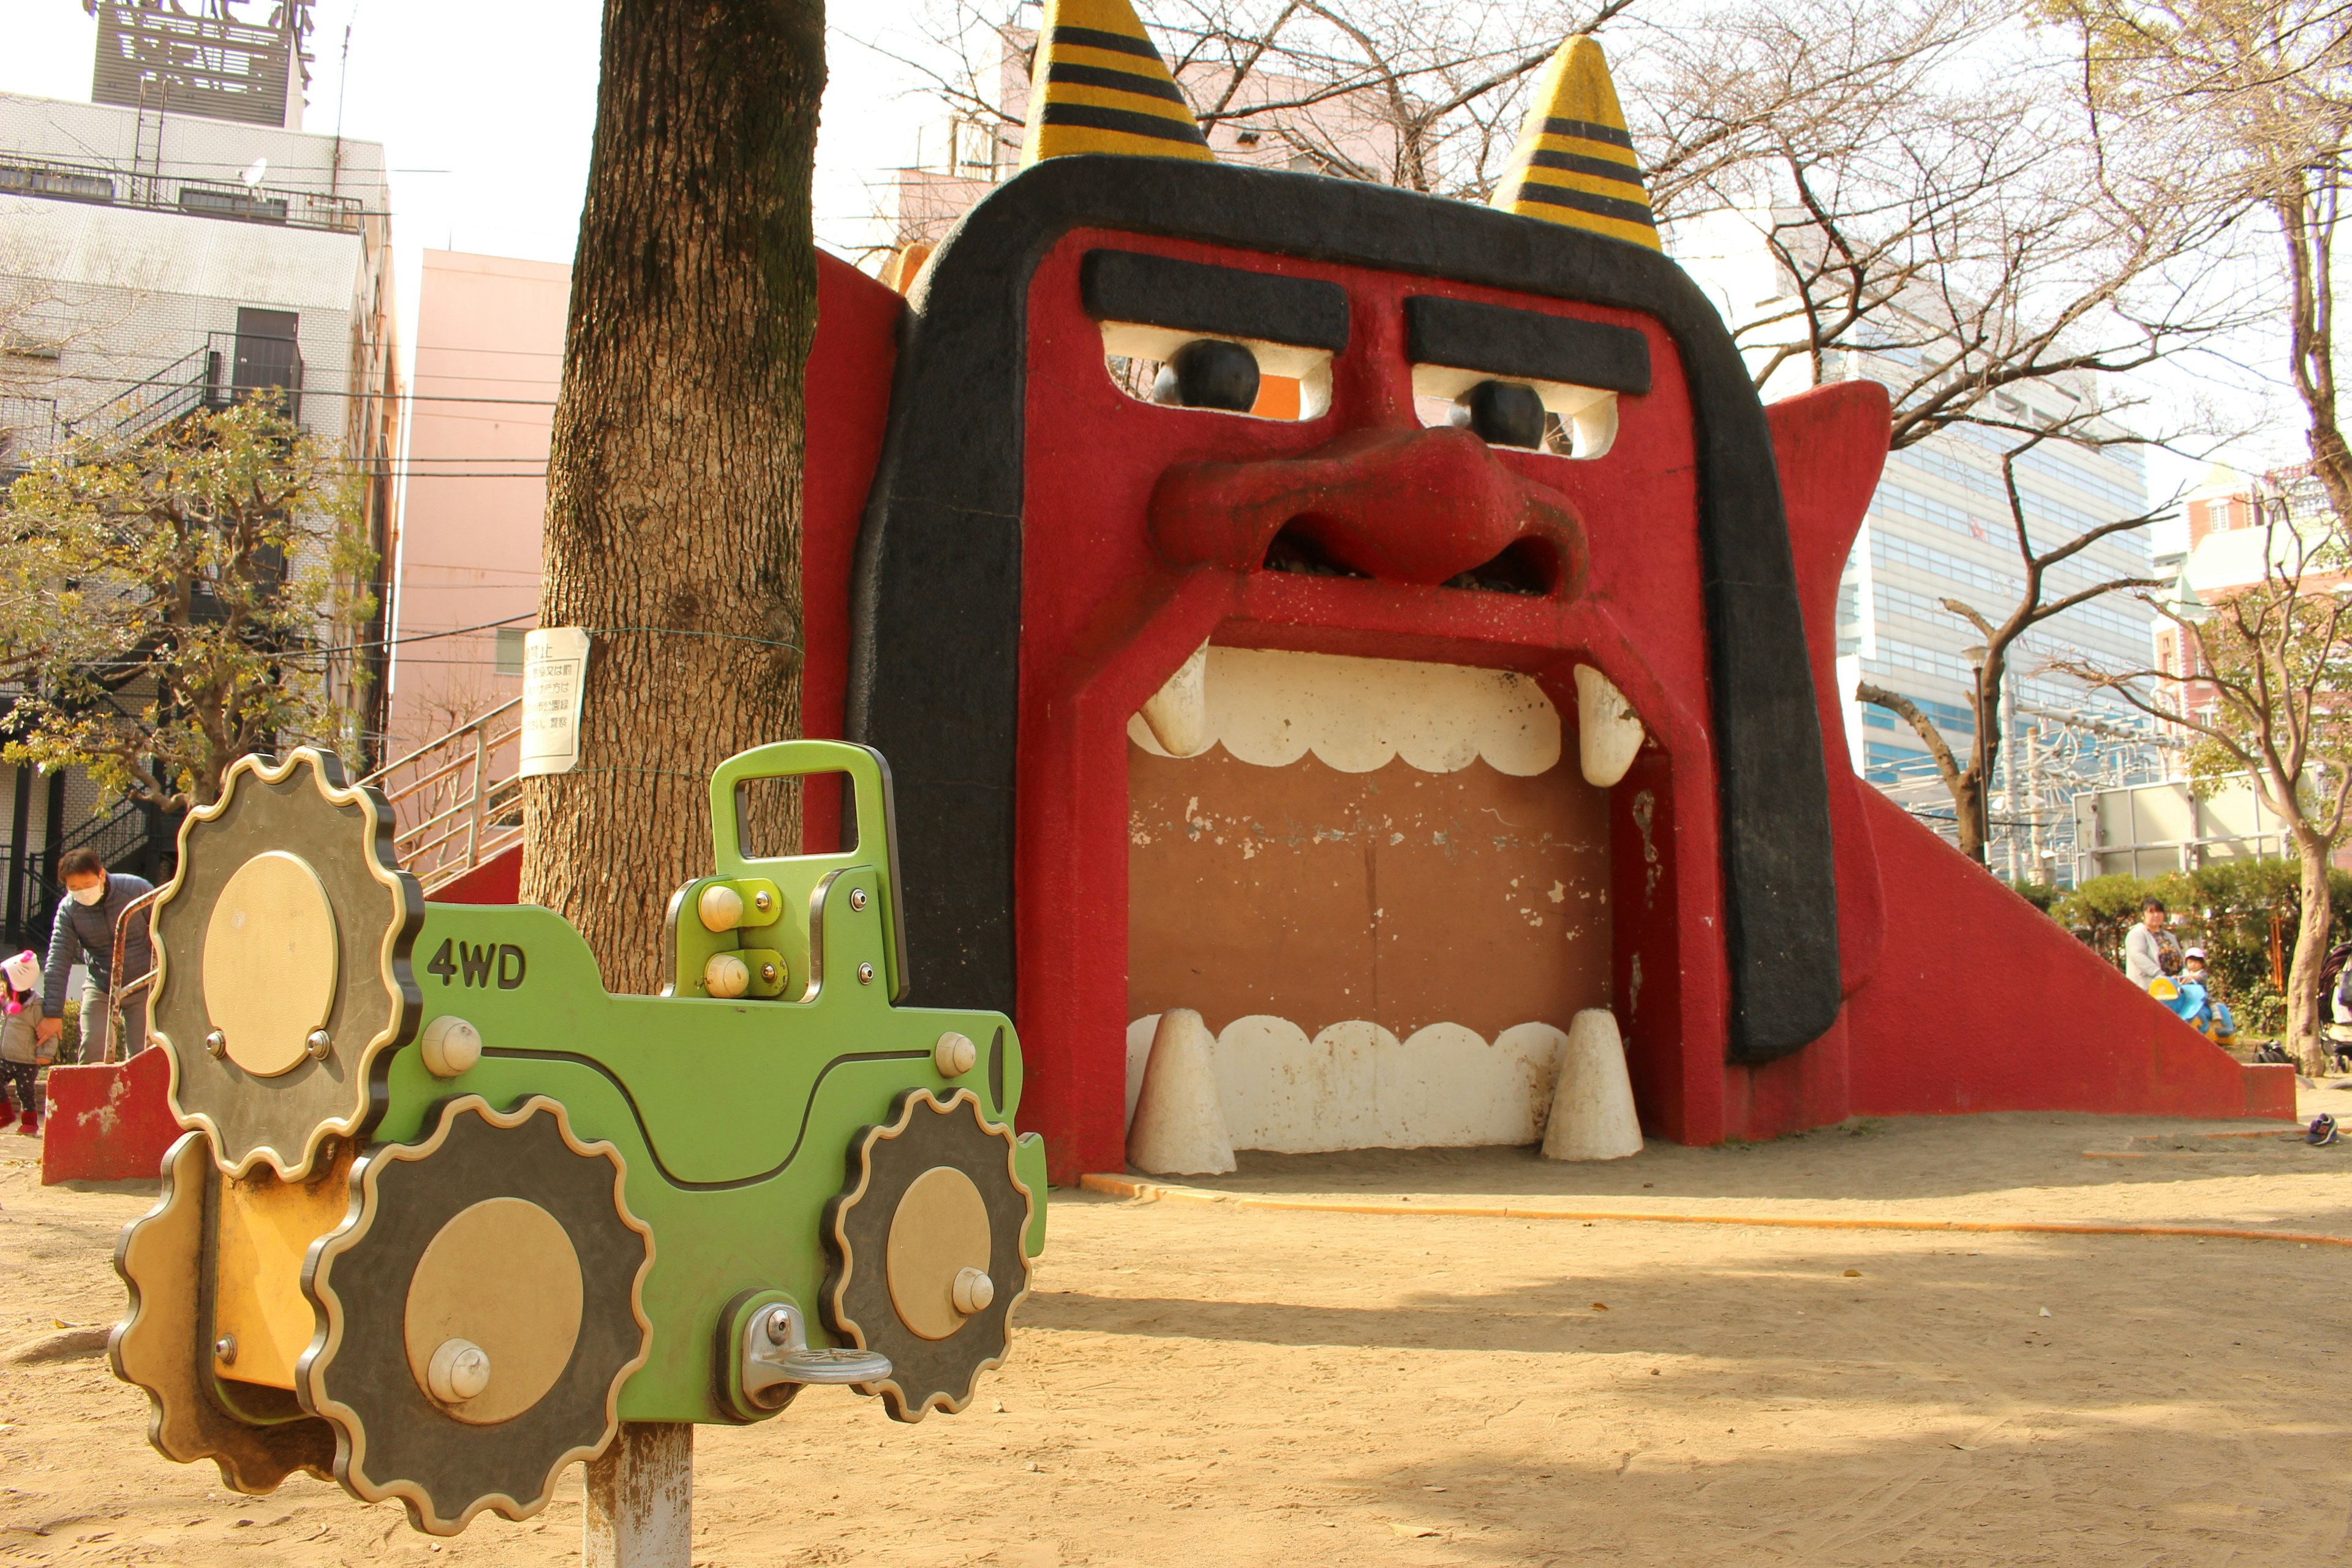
[[1204, 1384]]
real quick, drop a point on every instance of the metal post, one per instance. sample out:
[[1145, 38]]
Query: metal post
[[481, 794], [53, 830], [2009, 765], [20, 845], [2036, 757], [640, 1511]]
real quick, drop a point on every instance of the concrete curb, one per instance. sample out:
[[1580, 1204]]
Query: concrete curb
[[1161, 1192]]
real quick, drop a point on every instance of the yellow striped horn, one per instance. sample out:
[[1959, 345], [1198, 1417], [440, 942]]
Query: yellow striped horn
[[1574, 164], [1101, 87]]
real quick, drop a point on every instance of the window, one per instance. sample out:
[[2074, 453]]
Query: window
[[215, 202]]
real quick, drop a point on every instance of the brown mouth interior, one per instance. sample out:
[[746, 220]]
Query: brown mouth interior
[[1296, 550], [1397, 896], [1528, 566], [1523, 566]]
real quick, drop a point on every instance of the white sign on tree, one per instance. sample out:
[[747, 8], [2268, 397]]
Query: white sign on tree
[[554, 673]]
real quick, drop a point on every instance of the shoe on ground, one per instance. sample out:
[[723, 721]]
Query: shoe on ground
[[2322, 1131]]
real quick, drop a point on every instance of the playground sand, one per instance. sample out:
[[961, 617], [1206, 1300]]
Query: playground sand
[[1211, 1383]]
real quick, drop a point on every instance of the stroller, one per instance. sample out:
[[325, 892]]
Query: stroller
[[2336, 984]]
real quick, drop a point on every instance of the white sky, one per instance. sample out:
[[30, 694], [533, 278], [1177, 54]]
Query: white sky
[[485, 111]]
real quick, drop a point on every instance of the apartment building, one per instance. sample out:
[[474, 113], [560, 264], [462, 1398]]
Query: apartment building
[[176, 244]]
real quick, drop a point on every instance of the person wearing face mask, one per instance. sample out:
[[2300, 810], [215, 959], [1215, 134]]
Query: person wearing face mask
[[84, 932]]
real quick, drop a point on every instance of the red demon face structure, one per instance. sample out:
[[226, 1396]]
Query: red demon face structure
[[1362, 633], [1357, 836], [1278, 719]]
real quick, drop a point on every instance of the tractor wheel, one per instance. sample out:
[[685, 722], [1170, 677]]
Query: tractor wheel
[[282, 979], [483, 1310], [164, 1347], [924, 1246]]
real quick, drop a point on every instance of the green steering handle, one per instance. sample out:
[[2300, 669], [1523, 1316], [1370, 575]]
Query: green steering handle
[[800, 876]]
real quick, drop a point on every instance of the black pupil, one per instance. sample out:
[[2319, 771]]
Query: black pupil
[[1503, 413], [1210, 372]]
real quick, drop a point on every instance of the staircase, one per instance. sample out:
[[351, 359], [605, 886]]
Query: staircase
[[456, 800]]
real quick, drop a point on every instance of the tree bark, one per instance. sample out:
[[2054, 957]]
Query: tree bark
[[1968, 808], [673, 515], [1972, 801], [2306, 1010]]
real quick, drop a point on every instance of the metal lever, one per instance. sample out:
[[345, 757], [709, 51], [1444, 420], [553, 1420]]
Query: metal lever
[[775, 1353]]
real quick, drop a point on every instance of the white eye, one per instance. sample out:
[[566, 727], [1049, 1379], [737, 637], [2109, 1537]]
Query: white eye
[[1208, 372], [1503, 413], [1577, 421], [1186, 370]]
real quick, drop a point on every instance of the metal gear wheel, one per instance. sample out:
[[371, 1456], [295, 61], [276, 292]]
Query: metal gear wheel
[[164, 1345], [924, 1248], [483, 1307], [282, 956]]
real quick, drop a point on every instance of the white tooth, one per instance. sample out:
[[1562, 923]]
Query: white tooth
[[1592, 1113], [1180, 1120], [1177, 713], [1608, 730]]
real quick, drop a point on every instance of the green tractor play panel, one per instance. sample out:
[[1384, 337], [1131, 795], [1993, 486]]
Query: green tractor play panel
[[447, 1212]]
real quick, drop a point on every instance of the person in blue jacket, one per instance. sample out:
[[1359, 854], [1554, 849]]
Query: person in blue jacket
[[2220, 1025], [84, 933], [2185, 992]]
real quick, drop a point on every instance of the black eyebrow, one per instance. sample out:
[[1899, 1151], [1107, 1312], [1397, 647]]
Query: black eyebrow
[[1215, 302], [1525, 344]]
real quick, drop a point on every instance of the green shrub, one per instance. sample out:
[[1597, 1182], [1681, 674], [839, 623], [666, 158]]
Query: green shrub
[[2041, 895], [2102, 909]]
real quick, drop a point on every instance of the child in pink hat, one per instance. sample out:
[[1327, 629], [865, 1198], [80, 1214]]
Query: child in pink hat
[[20, 1047]]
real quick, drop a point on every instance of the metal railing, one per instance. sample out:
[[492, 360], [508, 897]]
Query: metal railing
[[456, 800], [201, 378], [181, 387], [28, 432], [118, 1049], [108, 185]]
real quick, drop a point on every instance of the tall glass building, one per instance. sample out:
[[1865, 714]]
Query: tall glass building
[[1940, 528]]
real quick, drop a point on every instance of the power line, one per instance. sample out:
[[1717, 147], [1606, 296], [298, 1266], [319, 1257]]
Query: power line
[[403, 396], [349, 647]]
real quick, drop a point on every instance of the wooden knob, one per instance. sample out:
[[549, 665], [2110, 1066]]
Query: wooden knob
[[720, 907], [726, 975], [955, 1055], [460, 1369], [449, 1046]]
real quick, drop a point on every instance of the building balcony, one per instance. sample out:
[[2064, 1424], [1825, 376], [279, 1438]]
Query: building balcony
[[104, 185]]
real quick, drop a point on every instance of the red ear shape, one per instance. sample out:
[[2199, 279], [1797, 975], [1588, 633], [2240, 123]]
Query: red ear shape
[[1829, 444]]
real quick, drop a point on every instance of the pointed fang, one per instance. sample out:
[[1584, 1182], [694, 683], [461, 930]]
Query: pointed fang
[[1177, 713], [1609, 732]]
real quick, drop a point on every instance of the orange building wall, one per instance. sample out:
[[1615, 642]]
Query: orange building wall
[[489, 352]]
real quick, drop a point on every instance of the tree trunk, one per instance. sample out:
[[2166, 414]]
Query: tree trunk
[[1969, 807], [673, 514], [1984, 757], [2306, 1010]]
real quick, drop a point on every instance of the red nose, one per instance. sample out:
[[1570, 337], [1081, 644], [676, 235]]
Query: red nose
[[1403, 505]]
